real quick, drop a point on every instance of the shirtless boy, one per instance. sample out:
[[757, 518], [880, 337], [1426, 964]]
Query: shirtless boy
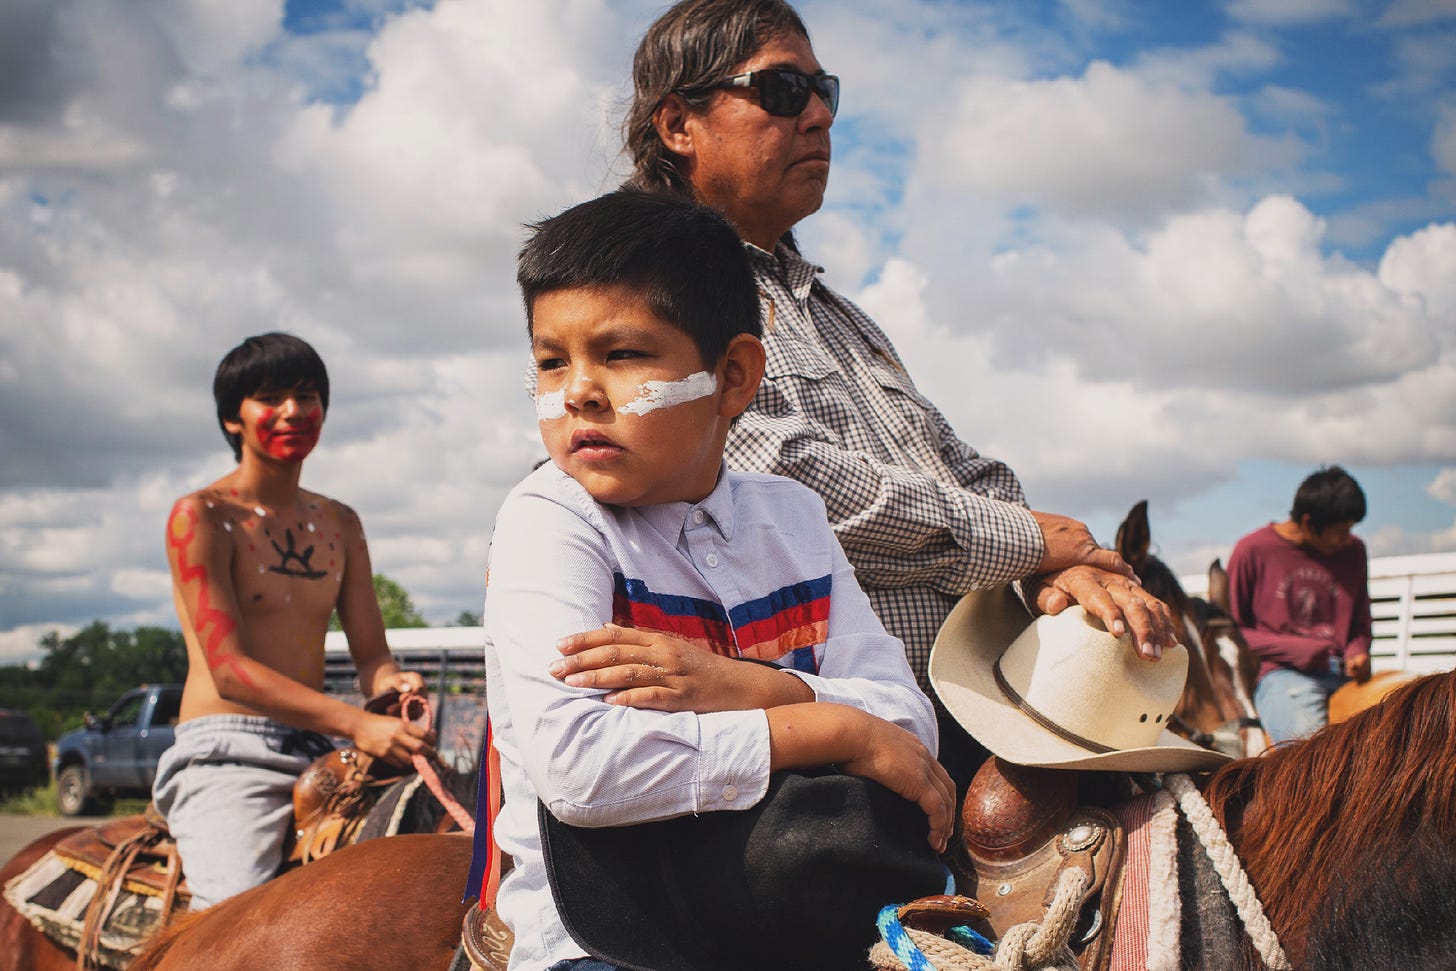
[[258, 566]]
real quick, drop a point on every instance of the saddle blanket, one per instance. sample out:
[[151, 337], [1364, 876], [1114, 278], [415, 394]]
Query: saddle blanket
[[56, 891]]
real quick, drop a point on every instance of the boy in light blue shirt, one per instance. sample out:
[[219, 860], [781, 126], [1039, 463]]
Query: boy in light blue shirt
[[632, 575]]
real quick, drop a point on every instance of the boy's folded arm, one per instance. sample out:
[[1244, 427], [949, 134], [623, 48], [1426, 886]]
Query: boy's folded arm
[[817, 734], [593, 763], [612, 766], [863, 666]]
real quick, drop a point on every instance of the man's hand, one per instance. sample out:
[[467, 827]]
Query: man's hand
[[1357, 666], [1119, 602], [1068, 543], [640, 669], [899, 761], [392, 739]]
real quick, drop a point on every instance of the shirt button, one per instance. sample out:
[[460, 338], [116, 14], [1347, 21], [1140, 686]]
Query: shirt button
[[730, 793], [711, 559], [698, 516]]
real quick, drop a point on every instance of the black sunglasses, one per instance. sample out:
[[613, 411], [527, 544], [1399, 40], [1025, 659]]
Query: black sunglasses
[[785, 92]]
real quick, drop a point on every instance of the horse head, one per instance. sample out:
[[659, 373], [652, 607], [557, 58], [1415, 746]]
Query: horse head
[[1217, 709]]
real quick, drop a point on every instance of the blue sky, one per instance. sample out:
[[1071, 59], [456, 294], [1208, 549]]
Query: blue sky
[[1183, 252]]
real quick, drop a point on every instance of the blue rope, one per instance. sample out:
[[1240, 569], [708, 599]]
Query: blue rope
[[894, 936], [971, 941], [892, 932]]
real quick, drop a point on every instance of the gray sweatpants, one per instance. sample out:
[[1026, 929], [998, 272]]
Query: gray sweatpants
[[226, 788]]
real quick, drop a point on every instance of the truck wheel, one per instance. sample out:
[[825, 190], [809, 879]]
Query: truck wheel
[[71, 796]]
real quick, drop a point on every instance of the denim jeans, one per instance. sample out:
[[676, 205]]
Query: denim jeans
[[1295, 704], [584, 964]]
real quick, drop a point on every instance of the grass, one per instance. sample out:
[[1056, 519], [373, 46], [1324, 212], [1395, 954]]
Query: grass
[[41, 801]]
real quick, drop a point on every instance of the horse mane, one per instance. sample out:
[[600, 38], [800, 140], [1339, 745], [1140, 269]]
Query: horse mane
[[1358, 820]]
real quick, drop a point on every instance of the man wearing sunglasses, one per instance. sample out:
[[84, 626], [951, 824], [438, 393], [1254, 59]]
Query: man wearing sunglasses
[[731, 107]]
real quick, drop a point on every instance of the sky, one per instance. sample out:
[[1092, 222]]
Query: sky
[[1183, 252]]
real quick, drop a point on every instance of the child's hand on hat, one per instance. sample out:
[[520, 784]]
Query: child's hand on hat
[[651, 670]]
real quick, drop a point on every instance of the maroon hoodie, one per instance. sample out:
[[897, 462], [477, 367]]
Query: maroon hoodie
[[1298, 608]]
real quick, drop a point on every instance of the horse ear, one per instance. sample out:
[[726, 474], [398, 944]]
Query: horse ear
[[1218, 586], [1134, 536]]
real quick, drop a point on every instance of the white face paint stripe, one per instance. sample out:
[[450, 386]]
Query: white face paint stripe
[[652, 395], [550, 404]]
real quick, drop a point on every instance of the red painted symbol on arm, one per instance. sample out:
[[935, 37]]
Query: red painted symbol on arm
[[213, 624]]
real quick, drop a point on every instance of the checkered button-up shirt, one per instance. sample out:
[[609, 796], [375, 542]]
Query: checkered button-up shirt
[[922, 516]]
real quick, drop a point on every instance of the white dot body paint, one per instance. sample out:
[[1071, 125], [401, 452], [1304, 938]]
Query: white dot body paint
[[652, 395], [550, 405]]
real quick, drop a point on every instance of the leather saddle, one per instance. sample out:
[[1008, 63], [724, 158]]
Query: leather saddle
[[485, 941], [1021, 827], [332, 799], [133, 856]]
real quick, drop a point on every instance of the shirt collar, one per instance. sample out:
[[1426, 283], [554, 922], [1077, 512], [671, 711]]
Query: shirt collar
[[797, 273], [670, 519]]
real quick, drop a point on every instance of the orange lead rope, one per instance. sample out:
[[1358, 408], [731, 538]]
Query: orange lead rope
[[415, 709]]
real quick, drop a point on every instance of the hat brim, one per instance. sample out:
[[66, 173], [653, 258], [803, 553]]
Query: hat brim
[[974, 635]]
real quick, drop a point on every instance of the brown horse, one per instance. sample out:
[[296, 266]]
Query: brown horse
[[22, 947], [1348, 837], [390, 903], [1217, 708], [25, 948]]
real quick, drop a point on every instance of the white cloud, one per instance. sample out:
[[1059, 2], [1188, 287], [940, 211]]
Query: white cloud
[[1284, 13], [21, 645], [1443, 487], [1409, 13], [1069, 256], [1108, 143], [1423, 266]]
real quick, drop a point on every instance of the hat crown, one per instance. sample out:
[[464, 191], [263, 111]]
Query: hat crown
[[1086, 681]]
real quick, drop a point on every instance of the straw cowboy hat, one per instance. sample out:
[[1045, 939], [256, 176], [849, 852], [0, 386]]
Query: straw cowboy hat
[[1060, 691]]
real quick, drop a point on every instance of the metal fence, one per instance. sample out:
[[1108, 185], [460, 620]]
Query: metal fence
[[452, 661]]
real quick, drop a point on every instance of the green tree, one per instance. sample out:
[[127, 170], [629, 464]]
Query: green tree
[[466, 619], [89, 670], [395, 605]]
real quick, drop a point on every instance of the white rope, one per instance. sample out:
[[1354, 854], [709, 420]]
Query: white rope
[[1032, 946], [1226, 862]]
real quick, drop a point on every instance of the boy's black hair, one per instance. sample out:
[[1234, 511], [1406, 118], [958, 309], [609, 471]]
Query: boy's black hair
[[1328, 496], [681, 258], [267, 362]]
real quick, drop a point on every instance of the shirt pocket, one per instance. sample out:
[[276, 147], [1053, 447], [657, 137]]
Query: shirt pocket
[[910, 417]]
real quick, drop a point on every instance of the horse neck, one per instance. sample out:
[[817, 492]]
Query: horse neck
[[1349, 814]]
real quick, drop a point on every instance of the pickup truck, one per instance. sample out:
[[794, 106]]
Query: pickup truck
[[117, 753]]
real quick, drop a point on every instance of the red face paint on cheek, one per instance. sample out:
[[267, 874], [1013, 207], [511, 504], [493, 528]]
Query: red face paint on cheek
[[213, 624], [290, 441]]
